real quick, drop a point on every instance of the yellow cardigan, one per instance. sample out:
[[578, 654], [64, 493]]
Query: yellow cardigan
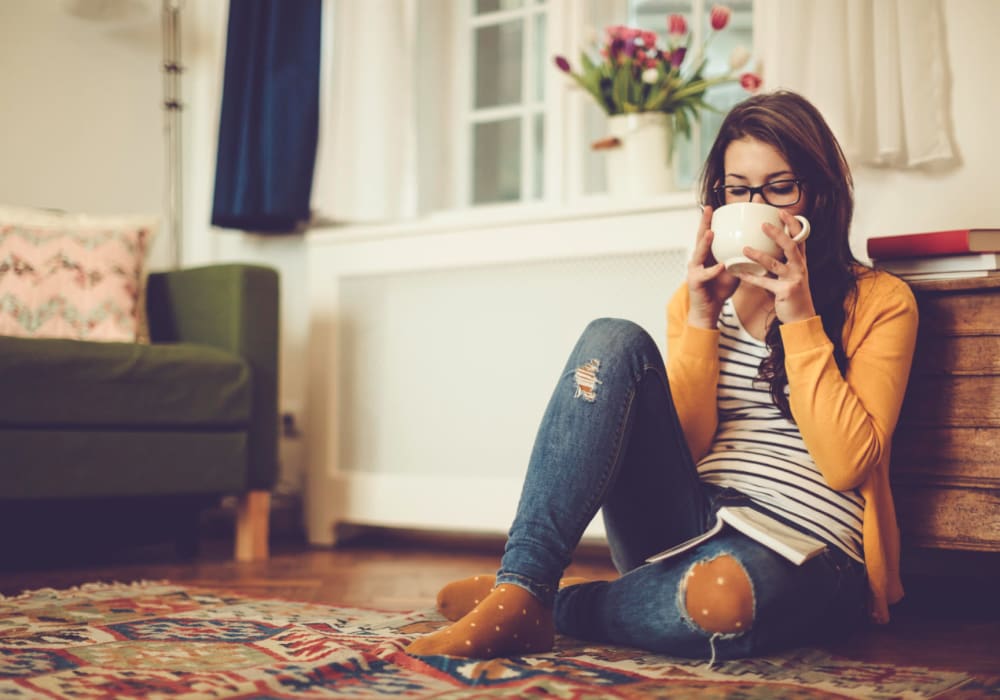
[[846, 421]]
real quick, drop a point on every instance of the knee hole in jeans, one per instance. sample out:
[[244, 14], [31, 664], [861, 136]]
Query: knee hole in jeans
[[718, 596]]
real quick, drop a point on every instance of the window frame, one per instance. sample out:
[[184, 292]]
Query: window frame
[[467, 115]]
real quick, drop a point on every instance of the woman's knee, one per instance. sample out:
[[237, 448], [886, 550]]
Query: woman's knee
[[718, 596], [614, 336]]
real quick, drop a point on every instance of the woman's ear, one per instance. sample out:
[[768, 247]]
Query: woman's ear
[[814, 202]]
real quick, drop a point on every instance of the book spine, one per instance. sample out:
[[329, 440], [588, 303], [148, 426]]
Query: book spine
[[947, 263], [917, 245], [961, 274]]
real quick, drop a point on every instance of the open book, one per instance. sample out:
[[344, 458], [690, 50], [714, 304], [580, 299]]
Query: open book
[[795, 546]]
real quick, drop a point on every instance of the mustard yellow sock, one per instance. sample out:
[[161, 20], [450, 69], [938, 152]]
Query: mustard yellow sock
[[507, 622], [457, 598]]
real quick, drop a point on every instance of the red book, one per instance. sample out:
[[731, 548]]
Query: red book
[[922, 245]]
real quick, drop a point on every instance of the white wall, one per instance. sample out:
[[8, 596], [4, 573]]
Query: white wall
[[81, 129]]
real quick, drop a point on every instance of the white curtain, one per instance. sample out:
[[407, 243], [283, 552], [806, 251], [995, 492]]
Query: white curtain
[[366, 159], [877, 69]]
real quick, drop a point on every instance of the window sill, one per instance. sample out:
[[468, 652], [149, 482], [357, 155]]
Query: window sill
[[487, 217]]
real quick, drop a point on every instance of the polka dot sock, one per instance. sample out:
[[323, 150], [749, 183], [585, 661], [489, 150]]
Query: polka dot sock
[[457, 598], [508, 622]]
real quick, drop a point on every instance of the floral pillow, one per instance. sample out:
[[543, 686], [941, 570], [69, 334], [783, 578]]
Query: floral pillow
[[72, 276]]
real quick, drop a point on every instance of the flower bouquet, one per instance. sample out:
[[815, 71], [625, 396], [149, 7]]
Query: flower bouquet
[[634, 75]]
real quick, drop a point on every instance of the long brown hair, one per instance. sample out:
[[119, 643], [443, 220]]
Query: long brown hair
[[793, 126]]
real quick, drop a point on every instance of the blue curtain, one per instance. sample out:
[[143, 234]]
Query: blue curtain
[[270, 114]]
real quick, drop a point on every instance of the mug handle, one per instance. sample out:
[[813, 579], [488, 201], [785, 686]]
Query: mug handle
[[804, 233]]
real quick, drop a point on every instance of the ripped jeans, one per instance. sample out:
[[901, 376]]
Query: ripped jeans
[[610, 439]]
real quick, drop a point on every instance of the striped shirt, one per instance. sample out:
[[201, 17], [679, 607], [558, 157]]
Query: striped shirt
[[760, 453]]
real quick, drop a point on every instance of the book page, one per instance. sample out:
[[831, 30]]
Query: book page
[[686, 544], [795, 546], [783, 539]]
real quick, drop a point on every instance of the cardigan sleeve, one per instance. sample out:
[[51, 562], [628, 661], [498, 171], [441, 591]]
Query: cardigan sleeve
[[693, 373], [847, 421]]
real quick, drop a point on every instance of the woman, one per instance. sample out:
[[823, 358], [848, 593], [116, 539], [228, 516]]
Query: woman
[[783, 393]]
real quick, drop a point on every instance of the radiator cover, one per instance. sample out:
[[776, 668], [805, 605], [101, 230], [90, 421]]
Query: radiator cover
[[433, 354]]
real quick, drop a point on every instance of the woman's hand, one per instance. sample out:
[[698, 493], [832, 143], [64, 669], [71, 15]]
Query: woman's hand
[[709, 283], [790, 283]]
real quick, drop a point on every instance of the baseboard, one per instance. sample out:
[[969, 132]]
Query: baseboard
[[473, 506], [353, 535]]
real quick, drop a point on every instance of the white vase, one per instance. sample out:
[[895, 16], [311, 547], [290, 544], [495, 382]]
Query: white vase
[[640, 166]]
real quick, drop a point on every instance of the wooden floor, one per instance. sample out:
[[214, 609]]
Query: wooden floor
[[948, 622]]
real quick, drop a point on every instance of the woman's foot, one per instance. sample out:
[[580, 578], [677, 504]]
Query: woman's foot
[[509, 621], [458, 598]]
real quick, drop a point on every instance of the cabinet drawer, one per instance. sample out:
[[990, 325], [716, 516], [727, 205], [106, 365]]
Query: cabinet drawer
[[971, 354], [949, 517], [952, 401], [960, 314], [966, 456]]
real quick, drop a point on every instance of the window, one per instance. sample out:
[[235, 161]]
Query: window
[[521, 135], [503, 111]]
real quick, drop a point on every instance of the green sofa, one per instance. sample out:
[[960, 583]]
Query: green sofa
[[191, 415]]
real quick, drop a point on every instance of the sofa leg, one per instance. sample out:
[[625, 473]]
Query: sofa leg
[[252, 524]]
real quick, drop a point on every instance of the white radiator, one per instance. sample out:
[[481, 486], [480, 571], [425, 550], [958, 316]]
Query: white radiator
[[433, 351]]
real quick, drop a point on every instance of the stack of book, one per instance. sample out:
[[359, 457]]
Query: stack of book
[[970, 252]]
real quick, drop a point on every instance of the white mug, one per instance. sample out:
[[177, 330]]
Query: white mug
[[738, 225]]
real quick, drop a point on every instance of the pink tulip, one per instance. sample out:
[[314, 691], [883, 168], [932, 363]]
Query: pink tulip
[[751, 82], [677, 25], [620, 31], [677, 56], [720, 16], [562, 64]]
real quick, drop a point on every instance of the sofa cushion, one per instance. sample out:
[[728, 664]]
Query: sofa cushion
[[94, 463], [72, 276], [55, 383]]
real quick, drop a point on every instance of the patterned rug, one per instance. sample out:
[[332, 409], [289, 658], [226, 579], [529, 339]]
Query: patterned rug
[[154, 640]]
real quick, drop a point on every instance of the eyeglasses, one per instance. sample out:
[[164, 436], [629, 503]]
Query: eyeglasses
[[778, 193]]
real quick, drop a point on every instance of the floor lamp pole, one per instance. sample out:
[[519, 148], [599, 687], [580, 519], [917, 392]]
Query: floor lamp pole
[[173, 106]]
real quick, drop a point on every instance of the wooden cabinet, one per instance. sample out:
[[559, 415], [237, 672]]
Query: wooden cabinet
[[946, 450]]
